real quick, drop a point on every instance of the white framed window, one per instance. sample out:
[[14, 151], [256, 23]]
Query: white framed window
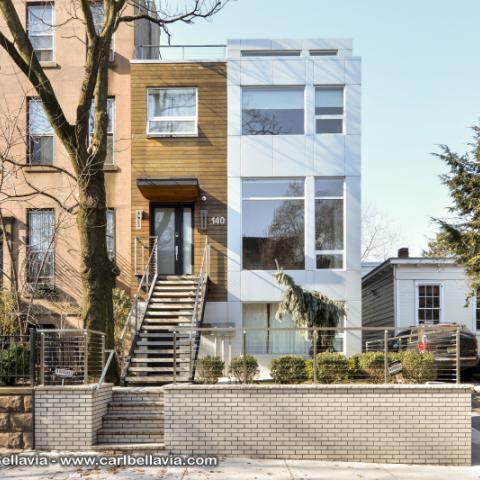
[[172, 111], [273, 223], [273, 110], [98, 16], [329, 223], [110, 158], [40, 134], [110, 214], [329, 109], [40, 18], [40, 248], [429, 303]]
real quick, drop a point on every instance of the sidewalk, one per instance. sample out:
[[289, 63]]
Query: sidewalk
[[246, 469]]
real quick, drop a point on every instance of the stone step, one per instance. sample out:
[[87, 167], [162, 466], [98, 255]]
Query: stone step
[[114, 448], [121, 437]]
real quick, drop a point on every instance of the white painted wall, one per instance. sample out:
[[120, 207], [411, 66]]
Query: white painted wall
[[307, 156], [454, 290]]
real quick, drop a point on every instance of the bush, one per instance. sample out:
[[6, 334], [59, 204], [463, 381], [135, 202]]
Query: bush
[[14, 363], [331, 367], [372, 364], [237, 369], [354, 371], [288, 369], [418, 367], [210, 369]]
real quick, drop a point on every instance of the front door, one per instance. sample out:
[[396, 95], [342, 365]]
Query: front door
[[173, 227]]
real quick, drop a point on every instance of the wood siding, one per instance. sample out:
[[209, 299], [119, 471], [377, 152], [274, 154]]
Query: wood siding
[[203, 157], [378, 303]]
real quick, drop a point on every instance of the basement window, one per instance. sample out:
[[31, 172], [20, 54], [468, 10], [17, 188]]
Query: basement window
[[172, 112]]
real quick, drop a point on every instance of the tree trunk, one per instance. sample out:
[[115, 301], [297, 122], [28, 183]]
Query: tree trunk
[[96, 269]]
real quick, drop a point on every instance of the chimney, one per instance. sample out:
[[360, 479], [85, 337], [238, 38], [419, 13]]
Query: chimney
[[403, 253]]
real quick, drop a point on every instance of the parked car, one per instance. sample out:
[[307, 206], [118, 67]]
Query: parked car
[[440, 339]]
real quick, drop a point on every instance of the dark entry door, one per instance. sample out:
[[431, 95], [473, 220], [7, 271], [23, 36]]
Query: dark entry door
[[173, 227]]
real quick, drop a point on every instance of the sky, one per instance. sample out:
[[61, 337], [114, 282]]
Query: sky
[[420, 88]]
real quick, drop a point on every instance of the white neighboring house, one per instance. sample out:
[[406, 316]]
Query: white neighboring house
[[293, 184], [405, 291]]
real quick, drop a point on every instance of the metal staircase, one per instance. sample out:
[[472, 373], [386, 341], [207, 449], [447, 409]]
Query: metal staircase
[[163, 349]]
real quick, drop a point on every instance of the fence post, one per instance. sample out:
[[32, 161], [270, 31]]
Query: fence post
[[85, 357], [457, 356], [42, 358], [385, 353], [315, 365], [174, 356], [32, 357], [244, 350]]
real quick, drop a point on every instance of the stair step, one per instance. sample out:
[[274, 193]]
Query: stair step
[[161, 325], [171, 307], [170, 313], [112, 446], [134, 416], [168, 370], [163, 295], [166, 351], [171, 301]]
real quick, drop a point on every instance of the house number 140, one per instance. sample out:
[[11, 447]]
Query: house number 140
[[218, 220]]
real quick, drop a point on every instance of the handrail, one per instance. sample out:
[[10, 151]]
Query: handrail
[[198, 305], [133, 312]]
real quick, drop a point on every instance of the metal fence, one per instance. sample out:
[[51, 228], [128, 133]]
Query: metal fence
[[69, 356], [318, 354], [16, 360]]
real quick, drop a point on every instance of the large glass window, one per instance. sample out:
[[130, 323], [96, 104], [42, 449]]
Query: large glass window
[[273, 111], [263, 316], [40, 248], [329, 109], [40, 30], [111, 233], [273, 224], [429, 303], [172, 111], [40, 134], [110, 158], [329, 223]]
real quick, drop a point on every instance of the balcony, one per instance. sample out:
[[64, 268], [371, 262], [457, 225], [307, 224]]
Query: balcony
[[181, 53]]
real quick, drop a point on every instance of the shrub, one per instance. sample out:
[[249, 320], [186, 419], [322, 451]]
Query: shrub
[[331, 367], [418, 367], [372, 365], [354, 371], [239, 373], [14, 363], [210, 369], [288, 369]]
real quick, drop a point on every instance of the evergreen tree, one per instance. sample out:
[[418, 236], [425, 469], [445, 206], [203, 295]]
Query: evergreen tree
[[461, 234]]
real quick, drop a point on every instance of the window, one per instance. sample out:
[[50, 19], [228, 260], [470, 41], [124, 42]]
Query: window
[[273, 111], [429, 303], [98, 16], [40, 30], [111, 233], [172, 111], [271, 53], [110, 158], [40, 248], [262, 315], [477, 309], [40, 134], [273, 224], [329, 109], [329, 223]]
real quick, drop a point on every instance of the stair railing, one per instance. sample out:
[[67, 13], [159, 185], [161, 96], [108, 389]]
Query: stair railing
[[135, 315], [198, 307]]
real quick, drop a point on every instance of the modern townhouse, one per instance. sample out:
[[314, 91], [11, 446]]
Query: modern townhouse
[[41, 251], [259, 154]]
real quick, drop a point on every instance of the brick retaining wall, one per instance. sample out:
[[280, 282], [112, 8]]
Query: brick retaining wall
[[69, 417], [15, 418], [422, 424]]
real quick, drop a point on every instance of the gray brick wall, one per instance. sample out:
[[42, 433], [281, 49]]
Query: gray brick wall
[[69, 417], [422, 424]]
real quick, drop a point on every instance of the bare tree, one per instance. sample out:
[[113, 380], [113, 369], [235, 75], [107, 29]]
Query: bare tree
[[87, 152], [378, 236]]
